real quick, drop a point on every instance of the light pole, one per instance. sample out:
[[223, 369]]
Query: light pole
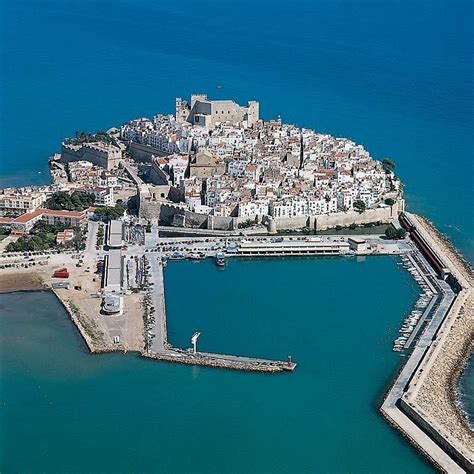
[[194, 339]]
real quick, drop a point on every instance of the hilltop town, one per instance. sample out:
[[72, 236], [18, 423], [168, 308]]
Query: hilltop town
[[216, 164]]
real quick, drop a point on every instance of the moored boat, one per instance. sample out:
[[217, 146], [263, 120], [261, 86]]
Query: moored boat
[[220, 259]]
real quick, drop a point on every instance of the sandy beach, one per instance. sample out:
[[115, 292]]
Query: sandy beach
[[21, 281]]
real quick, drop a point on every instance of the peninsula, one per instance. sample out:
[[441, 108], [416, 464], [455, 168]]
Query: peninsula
[[217, 181]]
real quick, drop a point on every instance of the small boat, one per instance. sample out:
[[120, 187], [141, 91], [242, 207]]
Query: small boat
[[197, 256], [177, 256], [220, 259]]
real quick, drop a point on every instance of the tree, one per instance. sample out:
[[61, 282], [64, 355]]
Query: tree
[[107, 213], [401, 233], [77, 201], [391, 232], [359, 205], [388, 165], [389, 201]]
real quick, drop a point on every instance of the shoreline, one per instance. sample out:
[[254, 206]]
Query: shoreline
[[461, 406], [456, 380], [15, 282]]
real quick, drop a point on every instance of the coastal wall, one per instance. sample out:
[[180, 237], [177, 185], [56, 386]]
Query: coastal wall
[[343, 219], [178, 216], [105, 156]]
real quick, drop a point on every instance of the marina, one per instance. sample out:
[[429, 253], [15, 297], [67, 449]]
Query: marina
[[158, 346]]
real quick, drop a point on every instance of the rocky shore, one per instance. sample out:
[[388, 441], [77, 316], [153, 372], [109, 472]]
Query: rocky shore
[[437, 395]]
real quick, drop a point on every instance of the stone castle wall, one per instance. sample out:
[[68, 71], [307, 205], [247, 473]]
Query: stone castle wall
[[177, 215], [343, 219], [95, 155], [143, 153]]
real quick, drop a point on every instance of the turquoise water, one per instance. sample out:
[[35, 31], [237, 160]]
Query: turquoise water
[[64, 410], [394, 75]]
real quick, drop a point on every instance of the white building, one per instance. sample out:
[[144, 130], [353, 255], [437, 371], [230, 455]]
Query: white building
[[19, 203]]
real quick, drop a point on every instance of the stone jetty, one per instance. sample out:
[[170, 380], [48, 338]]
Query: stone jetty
[[422, 400]]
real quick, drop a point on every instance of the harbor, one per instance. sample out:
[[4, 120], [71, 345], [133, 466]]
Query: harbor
[[133, 282], [158, 347]]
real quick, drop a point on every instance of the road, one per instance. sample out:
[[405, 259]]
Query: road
[[158, 302], [92, 228]]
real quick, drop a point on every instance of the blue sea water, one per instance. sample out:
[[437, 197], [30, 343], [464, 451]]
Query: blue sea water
[[64, 410], [394, 75]]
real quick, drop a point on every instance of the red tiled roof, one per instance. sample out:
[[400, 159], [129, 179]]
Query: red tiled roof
[[72, 214], [28, 216]]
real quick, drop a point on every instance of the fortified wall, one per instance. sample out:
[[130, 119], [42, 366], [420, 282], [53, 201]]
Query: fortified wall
[[177, 215], [100, 154], [143, 153], [343, 219]]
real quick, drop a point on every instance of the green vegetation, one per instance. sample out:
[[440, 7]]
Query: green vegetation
[[395, 234], [359, 205], [246, 224], [389, 201], [44, 238], [87, 137], [353, 226], [43, 227], [388, 165], [41, 241], [77, 201], [100, 235], [106, 213]]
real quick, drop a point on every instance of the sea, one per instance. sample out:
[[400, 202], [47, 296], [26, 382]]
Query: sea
[[65, 410], [393, 75]]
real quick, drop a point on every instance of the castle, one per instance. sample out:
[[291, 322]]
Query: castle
[[206, 113]]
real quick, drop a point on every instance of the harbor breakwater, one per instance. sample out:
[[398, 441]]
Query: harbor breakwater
[[422, 400]]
